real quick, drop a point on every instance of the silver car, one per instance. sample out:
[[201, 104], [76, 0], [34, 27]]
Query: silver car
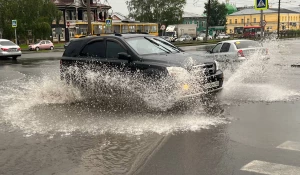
[[237, 50], [9, 49]]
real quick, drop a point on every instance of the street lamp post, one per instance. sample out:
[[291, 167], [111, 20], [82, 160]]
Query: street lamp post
[[278, 24], [88, 6], [207, 20]]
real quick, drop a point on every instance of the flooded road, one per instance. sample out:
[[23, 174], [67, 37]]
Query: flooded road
[[47, 127]]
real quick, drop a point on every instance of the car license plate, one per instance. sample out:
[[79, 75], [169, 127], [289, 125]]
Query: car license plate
[[211, 85], [12, 50]]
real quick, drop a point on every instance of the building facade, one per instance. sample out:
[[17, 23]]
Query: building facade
[[289, 19], [192, 18], [74, 11]]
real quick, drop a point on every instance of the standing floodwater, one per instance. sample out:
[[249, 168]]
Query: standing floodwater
[[50, 127]]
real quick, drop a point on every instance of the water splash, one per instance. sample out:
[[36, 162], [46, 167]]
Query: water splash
[[258, 79], [47, 105]]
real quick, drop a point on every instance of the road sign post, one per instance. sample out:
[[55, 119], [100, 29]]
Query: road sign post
[[261, 5], [108, 22], [14, 25]]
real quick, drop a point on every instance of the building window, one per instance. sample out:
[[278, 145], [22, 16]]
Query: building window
[[254, 19], [197, 23], [203, 24], [285, 18], [235, 21], [242, 21], [248, 20], [230, 21]]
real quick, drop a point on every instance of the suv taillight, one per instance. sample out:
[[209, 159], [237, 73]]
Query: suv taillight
[[241, 53]]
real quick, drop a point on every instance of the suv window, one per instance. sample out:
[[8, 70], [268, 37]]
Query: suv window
[[225, 47], [113, 48], [217, 48], [94, 49]]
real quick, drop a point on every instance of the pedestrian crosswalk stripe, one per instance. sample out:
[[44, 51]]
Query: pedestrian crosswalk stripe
[[290, 145], [268, 168]]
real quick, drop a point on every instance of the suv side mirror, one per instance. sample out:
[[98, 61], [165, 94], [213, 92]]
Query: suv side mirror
[[124, 56]]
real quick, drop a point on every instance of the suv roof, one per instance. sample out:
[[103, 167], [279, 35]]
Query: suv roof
[[74, 48]]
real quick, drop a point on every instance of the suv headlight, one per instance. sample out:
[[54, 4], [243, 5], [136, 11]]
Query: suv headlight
[[178, 73], [217, 65]]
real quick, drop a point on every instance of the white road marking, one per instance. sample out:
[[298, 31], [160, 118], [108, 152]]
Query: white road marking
[[290, 145], [271, 168]]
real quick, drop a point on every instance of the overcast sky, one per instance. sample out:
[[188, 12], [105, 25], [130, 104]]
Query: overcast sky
[[120, 5]]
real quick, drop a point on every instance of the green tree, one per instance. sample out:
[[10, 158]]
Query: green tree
[[158, 11], [30, 15], [217, 13]]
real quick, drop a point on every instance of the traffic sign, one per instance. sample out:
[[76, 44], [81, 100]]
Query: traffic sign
[[14, 23], [108, 22], [261, 4], [68, 24], [263, 23], [162, 27]]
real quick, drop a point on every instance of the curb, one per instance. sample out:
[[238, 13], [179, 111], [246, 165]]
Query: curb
[[40, 52]]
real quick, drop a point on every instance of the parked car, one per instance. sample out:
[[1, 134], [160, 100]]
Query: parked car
[[41, 45], [237, 50], [185, 38], [222, 36], [9, 49], [202, 36], [144, 54]]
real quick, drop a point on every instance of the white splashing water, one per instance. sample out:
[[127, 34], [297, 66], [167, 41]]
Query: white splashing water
[[257, 79], [49, 106]]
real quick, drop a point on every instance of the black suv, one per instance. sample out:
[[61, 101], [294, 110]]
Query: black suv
[[147, 55]]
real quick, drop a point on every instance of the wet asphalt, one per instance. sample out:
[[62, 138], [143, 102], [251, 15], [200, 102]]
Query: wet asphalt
[[43, 131]]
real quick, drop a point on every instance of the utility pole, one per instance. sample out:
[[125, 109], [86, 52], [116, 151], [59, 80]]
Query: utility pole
[[88, 6], [261, 24], [208, 14], [278, 24]]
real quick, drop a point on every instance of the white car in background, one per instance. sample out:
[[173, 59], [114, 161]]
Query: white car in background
[[185, 38], [9, 49], [237, 50], [202, 36], [223, 36]]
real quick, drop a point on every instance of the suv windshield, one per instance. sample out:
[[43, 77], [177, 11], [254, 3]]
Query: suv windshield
[[247, 44], [151, 45]]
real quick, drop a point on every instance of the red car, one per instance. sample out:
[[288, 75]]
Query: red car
[[42, 45]]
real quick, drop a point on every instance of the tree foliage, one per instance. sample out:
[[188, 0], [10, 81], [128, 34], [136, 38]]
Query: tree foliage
[[34, 15], [217, 13], [158, 11]]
